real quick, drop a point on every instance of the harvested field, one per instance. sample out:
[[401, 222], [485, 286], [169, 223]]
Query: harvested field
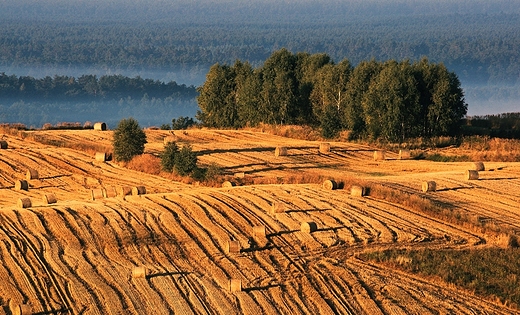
[[167, 251]]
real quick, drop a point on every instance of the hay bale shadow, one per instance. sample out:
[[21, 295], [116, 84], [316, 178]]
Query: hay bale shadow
[[261, 288]]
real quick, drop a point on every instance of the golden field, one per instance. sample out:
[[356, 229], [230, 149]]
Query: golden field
[[78, 255]]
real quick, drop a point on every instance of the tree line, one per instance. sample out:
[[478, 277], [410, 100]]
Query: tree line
[[481, 48], [390, 100], [506, 125], [89, 87], [59, 99]]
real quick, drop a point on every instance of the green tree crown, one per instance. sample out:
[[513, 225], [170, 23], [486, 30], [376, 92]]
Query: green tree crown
[[129, 140]]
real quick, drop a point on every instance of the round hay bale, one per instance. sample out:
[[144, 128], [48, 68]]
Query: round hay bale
[[138, 190], [240, 175], [471, 175], [21, 309], [123, 191], [100, 126], [235, 285], [309, 227], [259, 230], [233, 247], [277, 207], [429, 186], [49, 199], [3, 144], [169, 139], [324, 147], [139, 272], [280, 151], [97, 193], [21, 185], [404, 154], [24, 203], [31, 174], [109, 192], [357, 191], [379, 155], [228, 184], [330, 184], [102, 156], [479, 166]]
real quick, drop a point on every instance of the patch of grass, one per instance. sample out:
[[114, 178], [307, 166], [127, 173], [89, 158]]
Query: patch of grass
[[491, 272], [437, 157], [377, 174], [290, 131]]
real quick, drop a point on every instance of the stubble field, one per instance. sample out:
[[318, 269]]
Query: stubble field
[[77, 255]]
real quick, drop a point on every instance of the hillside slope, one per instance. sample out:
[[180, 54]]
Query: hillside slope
[[77, 255]]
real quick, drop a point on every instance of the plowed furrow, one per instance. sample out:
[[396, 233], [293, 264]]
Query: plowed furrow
[[41, 270]]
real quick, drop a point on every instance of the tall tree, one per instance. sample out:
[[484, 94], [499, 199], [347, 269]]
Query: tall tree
[[357, 86], [307, 73], [391, 105], [217, 98], [129, 140], [448, 106], [330, 88], [280, 87]]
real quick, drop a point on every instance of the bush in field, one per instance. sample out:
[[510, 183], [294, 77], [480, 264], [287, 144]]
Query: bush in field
[[182, 123], [185, 161], [168, 156], [129, 140]]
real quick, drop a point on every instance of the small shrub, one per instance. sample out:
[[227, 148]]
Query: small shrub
[[185, 161], [212, 172], [168, 156]]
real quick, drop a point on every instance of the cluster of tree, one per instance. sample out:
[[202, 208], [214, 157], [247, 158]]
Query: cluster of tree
[[90, 87], [180, 123], [183, 161], [505, 125], [378, 100], [478, 47]]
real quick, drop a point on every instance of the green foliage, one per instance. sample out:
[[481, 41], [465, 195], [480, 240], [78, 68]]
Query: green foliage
[[391, 101], [182, 123], [216, 98], [330, 123], [90, 87], [165, 127], [168, 156], [129, 140], [185, 161]]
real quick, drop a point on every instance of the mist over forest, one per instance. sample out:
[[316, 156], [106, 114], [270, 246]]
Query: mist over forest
[[180, 40]]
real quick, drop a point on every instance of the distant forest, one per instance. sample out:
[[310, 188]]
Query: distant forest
[[476, 39], [55, 99], [481, 48]]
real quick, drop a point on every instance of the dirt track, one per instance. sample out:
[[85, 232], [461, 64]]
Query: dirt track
[[77, 255]]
